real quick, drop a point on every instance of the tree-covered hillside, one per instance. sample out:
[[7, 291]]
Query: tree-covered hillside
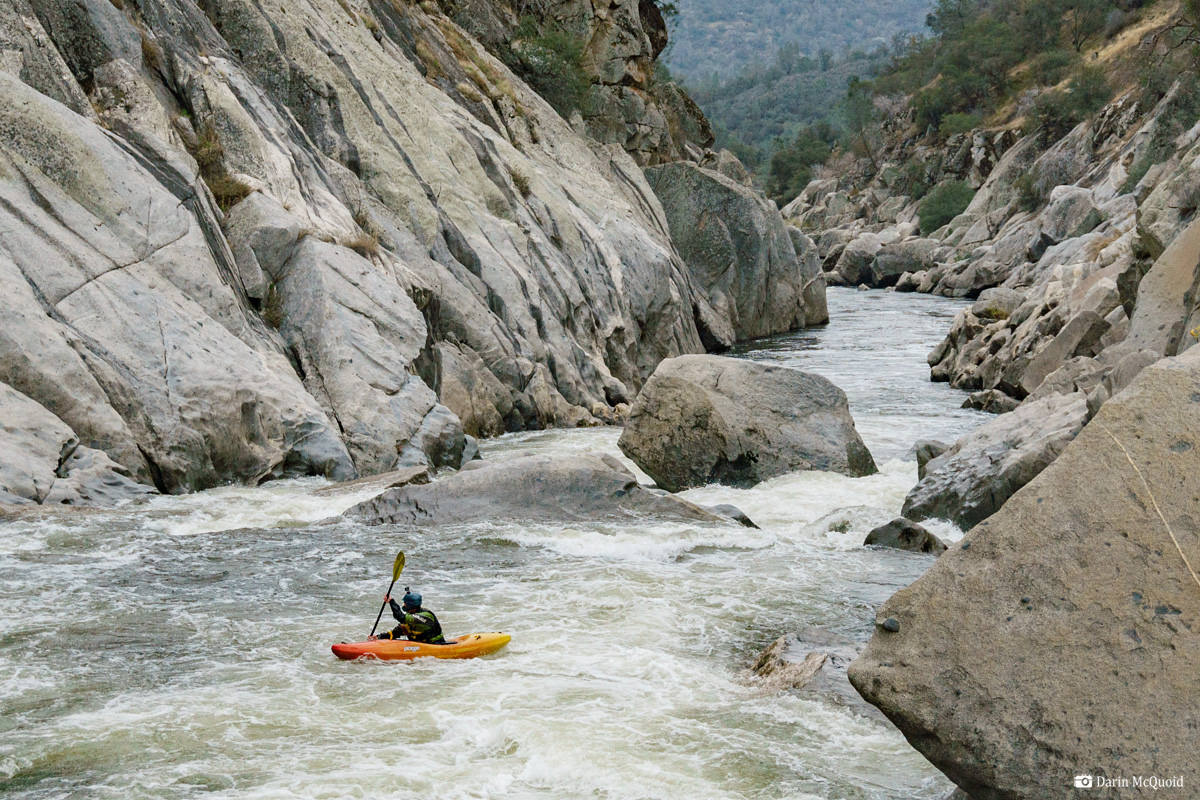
[[724, 36], [764, 102]]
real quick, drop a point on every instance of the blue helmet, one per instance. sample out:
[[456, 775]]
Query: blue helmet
[[411, 599]]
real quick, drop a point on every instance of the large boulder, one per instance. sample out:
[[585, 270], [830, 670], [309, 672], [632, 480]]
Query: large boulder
[[911, 255], [41, 460], [816, 307], [577, 488], [710, 419], [1072, 213], [33, 442], [1060, 637], [854, 264], [735, 243], [972, 480]]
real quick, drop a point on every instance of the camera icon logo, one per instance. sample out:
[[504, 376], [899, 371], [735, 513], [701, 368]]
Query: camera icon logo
[[1083, 781]]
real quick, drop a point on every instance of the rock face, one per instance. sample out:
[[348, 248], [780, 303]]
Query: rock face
[[578, 488], [247, 242], [1168, 299], [163, 368], [903, 534], [41, 461], [1060, 636], [709, 419], [739, 251], [971, 480]]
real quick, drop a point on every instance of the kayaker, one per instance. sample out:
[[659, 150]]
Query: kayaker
[[416, 624]]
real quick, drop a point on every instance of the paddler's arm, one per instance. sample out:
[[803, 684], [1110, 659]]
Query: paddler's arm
[[397, 611]]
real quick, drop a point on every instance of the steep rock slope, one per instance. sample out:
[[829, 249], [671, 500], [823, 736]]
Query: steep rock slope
[[245, 242]]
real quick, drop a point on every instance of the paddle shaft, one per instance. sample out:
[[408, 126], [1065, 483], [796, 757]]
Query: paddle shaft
[[383, 606]]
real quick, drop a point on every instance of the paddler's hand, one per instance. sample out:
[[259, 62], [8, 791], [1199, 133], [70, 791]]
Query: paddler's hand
[[387, 598]]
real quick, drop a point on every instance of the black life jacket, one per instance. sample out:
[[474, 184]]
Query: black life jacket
[[423, 626]]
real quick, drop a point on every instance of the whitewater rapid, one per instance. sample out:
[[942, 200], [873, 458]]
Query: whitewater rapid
[[180, 649]]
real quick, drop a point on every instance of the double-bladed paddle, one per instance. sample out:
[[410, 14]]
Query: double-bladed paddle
[[397, 568]]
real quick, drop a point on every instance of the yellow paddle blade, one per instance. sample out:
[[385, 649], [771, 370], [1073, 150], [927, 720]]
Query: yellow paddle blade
[[398, 567]]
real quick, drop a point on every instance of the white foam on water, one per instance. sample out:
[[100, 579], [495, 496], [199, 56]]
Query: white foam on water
[[278, 504], [180, 649]]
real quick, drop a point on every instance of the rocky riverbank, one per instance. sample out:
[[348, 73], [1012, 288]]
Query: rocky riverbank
[[1085, 272]]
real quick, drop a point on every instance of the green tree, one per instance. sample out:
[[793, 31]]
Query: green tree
[[944, 203], [550, 60], [792, 164], [1084, 19], [859, 112]]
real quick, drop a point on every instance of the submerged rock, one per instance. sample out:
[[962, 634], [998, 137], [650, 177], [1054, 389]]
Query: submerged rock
[[1060, 637], [379, 483], [970, 481], [904, 534], [813, 660], [710, 419], [578, 488], [733, 512]]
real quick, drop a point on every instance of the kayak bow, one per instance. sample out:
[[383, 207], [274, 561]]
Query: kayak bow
[[468, 646]]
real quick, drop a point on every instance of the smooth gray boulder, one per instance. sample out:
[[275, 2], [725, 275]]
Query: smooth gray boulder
[[33, 442], [904, 534], [576, 488], [1059, 637], [892, 261], [710, 419], [41, 461], [973, 479], [854, 264], [816, 306], [735, 243], [1072, 213]]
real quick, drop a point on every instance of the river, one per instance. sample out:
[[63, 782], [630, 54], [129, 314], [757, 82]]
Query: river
[[180, 649]]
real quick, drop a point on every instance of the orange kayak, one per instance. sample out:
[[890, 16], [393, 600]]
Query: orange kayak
[[468, 646]]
